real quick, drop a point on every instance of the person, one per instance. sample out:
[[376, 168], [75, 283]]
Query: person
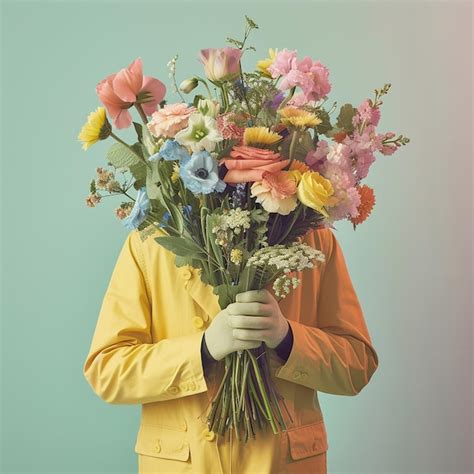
[[161, 339]]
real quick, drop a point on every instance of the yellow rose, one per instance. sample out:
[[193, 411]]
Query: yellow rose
[[314, 191]]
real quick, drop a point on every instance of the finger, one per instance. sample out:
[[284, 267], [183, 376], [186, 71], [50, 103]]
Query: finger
[[261, 296], [253, 308], [249, 322], [240, 345], [250, 334]]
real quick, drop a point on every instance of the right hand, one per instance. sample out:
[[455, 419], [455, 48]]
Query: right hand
[[220, 339]]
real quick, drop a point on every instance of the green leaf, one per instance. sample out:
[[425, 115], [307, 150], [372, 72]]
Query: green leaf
[[325, 125], [301, 148], [251, 23], [344, 119], [235, 42], [138, 171], [121, 156], [153, 181], [181, 246], [149, 143], [92, 187], [138, 129]]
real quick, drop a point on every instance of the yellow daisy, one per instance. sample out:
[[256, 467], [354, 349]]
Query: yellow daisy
[[297, 117], [175, 173], [96, 128], [260, 136], [264, 64]]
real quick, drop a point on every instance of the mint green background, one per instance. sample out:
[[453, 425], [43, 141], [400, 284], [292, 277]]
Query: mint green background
[[410, 262]]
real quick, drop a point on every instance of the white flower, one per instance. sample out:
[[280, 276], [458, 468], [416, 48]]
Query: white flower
[[201, 133], [208, 107]]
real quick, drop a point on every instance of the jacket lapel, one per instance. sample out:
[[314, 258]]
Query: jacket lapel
[[201, 293]]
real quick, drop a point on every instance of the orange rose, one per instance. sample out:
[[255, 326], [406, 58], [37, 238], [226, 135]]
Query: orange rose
[[247, 163]]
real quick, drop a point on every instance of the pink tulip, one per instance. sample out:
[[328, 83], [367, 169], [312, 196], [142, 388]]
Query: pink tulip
[[120, 91], [221, 64]]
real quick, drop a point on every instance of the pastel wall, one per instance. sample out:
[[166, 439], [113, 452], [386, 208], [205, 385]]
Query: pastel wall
[[410, 262]]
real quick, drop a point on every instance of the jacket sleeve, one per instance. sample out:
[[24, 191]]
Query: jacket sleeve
[[337, 356], [124, 365]]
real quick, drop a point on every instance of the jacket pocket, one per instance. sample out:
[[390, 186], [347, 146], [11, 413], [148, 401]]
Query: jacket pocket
[[161, 442], [307, 440]]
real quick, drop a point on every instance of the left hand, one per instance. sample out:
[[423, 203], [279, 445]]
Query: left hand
[[256, 316]]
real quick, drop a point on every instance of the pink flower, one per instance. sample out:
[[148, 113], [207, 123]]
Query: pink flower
[[283, 63], [221, 64], [170, 119], [366, 112], [248, 163], [232, 126], [120, 91], [315, 159], [311, 77]]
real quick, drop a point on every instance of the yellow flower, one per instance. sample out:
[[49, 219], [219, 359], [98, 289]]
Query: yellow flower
[[175, 173], [264, 64], [260, 136], [297, 117], [236, 256], [295, 175], [96, 128], [314, 191]]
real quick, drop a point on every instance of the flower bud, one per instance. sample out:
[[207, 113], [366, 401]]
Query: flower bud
[[188, 85]]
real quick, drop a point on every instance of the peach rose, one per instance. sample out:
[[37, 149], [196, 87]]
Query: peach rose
[[247, 163]]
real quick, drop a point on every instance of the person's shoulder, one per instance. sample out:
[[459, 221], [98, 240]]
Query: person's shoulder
[[321, 238], [143, 240]]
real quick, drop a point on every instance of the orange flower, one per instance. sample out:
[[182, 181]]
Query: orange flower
[[299, 165], [247, 163], [367, 201]]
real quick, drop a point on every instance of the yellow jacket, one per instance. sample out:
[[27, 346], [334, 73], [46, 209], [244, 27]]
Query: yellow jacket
[[146, 350]]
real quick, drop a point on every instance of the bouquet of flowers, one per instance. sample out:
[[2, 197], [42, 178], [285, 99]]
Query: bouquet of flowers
[[234, 177]]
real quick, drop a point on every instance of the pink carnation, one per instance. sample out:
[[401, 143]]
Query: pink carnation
[[283, 63], [315, 159], [170, 119], [311, 77]]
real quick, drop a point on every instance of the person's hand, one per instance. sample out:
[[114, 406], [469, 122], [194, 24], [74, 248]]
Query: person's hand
[[256, 316], [220, 339]]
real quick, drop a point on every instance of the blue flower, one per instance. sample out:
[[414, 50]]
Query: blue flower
[[139, 210], [166, 218], [199, 173], [170, 150]]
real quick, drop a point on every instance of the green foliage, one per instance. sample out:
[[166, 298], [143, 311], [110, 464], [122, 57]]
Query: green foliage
[[121, 156], [344, 119], [301, 148], [181, 246], [325, 125], [92, 187]]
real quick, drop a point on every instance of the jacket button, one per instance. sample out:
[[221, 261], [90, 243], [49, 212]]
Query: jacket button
[[304, 376], [192, 386], [296, 374], [173, 389], [187, 274], [208, 435], [198, 322]]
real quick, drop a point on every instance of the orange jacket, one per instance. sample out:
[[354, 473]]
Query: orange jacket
[[146, 350]]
